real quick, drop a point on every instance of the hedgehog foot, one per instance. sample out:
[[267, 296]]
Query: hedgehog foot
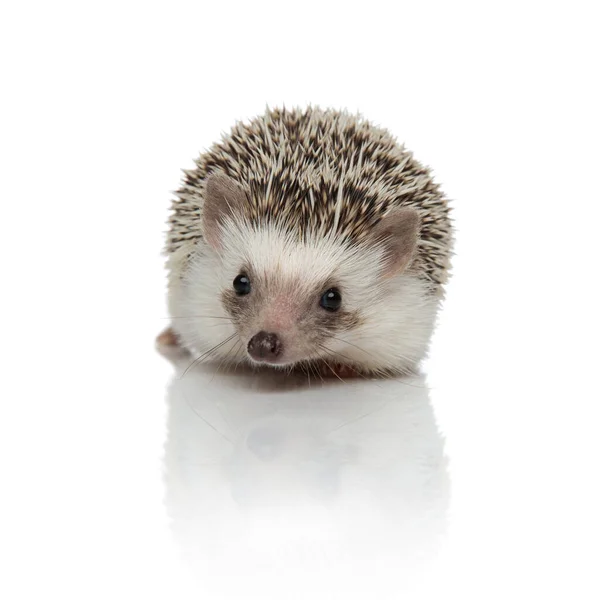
[[167, 338]]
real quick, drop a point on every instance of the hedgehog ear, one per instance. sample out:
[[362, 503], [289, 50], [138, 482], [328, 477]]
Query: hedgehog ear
[[398, 234], [223, 198]]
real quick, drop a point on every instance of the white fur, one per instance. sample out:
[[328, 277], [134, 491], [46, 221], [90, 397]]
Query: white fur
[[397, 314]]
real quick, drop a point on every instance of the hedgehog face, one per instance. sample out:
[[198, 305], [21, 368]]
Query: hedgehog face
[[287, 299]]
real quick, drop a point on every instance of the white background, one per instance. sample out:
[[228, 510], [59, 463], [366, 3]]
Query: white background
[[103, 490]]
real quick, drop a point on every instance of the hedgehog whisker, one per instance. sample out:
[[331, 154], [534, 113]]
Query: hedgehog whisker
[[304, 369], [350, 344], [207, 354], [359, 418], [421, 387], [311, 368], [318, 373], [334, 353], [330, 351], [334, 372], [207, 422], [225, 358]]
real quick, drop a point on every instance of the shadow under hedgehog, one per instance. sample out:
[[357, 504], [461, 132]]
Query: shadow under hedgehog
[[307, 238]]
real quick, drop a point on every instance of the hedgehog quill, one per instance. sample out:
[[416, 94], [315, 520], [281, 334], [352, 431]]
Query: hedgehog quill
[[308, 238]]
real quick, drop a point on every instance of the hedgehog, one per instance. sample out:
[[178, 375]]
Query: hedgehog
[[311, 239]]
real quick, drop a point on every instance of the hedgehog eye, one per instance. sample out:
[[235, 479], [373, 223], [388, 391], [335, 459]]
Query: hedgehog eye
[[331, 300], [241, 285]]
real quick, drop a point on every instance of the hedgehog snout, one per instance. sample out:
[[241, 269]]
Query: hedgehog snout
[[265, 347]]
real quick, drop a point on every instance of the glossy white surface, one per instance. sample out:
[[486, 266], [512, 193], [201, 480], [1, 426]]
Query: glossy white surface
[[320, 481], [121, 479]]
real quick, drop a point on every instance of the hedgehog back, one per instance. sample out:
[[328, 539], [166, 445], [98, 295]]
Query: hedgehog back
[[319, 171]]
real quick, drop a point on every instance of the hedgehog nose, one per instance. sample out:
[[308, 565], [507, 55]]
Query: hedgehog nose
[[264, 347]]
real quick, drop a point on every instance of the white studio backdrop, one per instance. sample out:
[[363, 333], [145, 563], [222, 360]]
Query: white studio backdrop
[[102, 104]]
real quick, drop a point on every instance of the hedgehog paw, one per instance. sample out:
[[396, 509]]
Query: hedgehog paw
[[167, 338]]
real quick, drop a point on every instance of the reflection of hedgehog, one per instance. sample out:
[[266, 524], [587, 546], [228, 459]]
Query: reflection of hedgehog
[[312, 238], [270, 476]]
